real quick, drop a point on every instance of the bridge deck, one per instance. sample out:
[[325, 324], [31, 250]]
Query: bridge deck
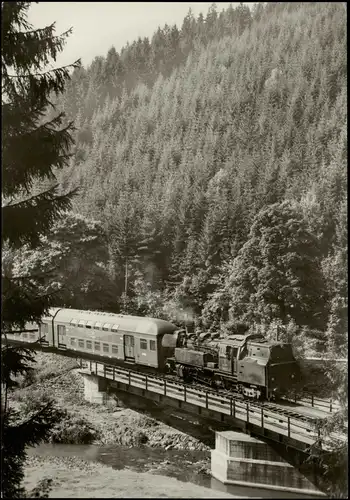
[[287, 422], [274, 424]]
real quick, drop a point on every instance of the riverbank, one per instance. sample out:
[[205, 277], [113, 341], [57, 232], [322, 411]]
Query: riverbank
[[73, 477], [108, 425]]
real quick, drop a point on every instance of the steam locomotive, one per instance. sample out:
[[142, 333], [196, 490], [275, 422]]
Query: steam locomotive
[[247, 363]]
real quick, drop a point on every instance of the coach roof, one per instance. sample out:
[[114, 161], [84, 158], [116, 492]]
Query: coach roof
[[132, 324]]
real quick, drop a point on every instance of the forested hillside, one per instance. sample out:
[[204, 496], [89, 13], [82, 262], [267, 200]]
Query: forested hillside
[[213, 158]]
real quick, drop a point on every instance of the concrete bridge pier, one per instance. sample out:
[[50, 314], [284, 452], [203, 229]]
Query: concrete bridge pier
[[244, 460], [95, 389]]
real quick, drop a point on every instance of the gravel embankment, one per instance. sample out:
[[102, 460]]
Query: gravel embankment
[[76, 478]]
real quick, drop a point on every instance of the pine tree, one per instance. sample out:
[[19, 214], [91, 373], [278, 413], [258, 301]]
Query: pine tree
[[32, 148]]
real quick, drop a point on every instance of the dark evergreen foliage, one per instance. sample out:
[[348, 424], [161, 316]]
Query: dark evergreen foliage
[[33, 148]]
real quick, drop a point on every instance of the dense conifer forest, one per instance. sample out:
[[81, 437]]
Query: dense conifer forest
[[210, 162]]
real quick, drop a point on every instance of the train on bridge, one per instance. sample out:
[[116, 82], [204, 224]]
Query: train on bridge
[[244, 363]]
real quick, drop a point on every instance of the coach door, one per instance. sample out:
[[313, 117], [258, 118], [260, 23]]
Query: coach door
[[129, 348], [61, 336]]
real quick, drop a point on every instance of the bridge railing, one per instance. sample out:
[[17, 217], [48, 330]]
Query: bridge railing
[[327, 405], [299, 429], [269, 419]]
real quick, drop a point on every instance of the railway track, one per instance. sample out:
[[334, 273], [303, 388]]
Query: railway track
[[270, 417], [280, 407], [307, 401], [267, 405], [235, 396]]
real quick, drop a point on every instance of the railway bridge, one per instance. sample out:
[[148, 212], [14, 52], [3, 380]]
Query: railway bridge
[[292, 423], [295, 423], [288, 428], [280, 436]]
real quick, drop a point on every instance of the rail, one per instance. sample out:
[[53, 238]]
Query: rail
[[327, 405], [305, 431], [322, 360]]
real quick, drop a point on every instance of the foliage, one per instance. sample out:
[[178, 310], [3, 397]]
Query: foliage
[[41, 490], [276, 277], [17, 434], [67, 428], [33, 399], [70, 264], [333, 461], [15, 361], [73, 430], [33, 147]]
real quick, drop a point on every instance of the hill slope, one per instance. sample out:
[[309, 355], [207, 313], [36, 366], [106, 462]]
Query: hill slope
[[181, 147]]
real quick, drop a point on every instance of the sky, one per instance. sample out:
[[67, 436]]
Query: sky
[[99, 25]]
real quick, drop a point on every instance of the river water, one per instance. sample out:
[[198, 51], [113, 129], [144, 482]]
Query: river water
[[187, 466]]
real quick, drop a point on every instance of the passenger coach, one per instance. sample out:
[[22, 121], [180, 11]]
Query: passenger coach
[[127, 338]]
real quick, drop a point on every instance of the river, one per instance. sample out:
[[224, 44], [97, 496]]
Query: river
[[186, 466]]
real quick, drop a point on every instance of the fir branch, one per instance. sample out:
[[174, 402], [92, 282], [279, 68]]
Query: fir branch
[[25, 221], [34, 276], [74, 65]]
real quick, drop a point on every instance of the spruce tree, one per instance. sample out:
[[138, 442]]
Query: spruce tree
[[33, 148]]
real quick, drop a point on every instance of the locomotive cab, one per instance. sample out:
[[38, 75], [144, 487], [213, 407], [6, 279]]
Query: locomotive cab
[[228, 358], [233, 350]]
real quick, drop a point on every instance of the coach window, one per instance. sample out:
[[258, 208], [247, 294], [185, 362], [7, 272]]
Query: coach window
[[114, 349], [81, 323], [152, 345], [88, 324], [44, 328], [74, 322], [88, 344], [105, 347], [73, 342], [106, 327], [143, 344], [115, 328], [98, 326], [25, 335], [32, 336], [81, 343], [97, 346]]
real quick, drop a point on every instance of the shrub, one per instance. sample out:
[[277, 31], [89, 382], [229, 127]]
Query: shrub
[[41, 490], [33, 400], [140, 438], [73, 430]]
